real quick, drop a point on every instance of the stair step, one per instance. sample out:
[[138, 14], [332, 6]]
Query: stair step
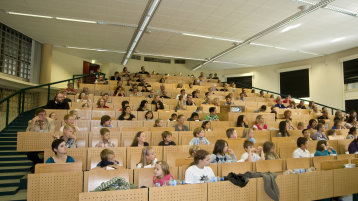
[[17, 127], [12, 175], [23, 182], [13, 157], [6, 130], [8, 143], [25, 168], [8, 135], [15, 163], [8, 190], [9, 182], [7, 147], [21, 195], [6, 138], [11, 152]]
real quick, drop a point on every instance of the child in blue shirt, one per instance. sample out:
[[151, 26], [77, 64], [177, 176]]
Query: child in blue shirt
[[199, 137], [323, 149]]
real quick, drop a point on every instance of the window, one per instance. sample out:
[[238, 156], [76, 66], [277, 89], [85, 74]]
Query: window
[[179, 61], [15, 52], [350, 71], [246, 81], [295, 83], [151, 59]]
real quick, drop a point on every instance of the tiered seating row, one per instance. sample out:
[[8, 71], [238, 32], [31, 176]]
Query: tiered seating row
[[307, 186], [40, 141], [130, 156]]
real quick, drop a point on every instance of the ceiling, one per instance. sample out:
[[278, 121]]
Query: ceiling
[[321, 32]]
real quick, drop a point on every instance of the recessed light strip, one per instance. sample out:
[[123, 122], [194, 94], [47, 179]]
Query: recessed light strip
[[210, 37], [76, 20], [290, 28], [29, 15], [92, 49]]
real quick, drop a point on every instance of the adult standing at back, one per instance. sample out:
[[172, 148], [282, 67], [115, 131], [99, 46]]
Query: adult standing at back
[[116, 76], [58, 102], [142, 71]]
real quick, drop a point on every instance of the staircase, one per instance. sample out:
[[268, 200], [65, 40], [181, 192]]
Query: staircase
[[14, 166]]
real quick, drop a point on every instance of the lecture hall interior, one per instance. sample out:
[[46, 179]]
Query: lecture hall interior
[[178, 100]]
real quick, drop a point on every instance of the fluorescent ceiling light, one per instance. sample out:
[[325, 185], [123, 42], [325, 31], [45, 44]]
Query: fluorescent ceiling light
[[197, 67], [332, 8], [210, 37], [290, 28], [29, 15], [143, 23], [93, 49], [341, 10], [196, 35], [337, 39], [152, 8], [312, 53], [262, 45], [81, 48], [76, 20], [227, 62], [283, 48]]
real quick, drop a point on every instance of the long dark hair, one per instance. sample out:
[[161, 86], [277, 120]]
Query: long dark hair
[[240, 121], [124, 110], [124, 103], [135, 140], [145, 116], [142, 104], [219, 147], [204, 124], [283, 129]]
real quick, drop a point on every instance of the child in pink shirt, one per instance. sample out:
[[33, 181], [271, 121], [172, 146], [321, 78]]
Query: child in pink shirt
[[161, 173]]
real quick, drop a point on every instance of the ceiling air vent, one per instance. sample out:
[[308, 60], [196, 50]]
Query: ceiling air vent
[[179, 61], [136, 57], [151, 59]]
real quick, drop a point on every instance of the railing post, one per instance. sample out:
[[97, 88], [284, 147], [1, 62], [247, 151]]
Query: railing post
[[48, 92], [7, 112], [23, 101], [19, 104]]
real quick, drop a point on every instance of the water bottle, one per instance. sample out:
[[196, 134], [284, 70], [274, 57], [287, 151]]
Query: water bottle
[[214, 179], [173, 182]]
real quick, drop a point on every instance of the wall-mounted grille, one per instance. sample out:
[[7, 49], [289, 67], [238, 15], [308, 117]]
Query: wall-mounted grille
[[151, 59]]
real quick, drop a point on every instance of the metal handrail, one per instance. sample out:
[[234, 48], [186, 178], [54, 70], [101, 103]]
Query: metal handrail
[[285, 95], [21, 93]]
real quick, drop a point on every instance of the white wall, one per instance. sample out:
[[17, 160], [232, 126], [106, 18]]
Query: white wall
[[325, 75], [64, 66], [162, 68]]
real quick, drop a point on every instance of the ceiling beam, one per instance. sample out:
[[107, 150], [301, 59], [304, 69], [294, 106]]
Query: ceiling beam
[[270, 29], [147, 15]]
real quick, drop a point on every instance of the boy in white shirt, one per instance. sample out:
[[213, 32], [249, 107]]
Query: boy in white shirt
[[301, 151], [199, 171], [250, 155]]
